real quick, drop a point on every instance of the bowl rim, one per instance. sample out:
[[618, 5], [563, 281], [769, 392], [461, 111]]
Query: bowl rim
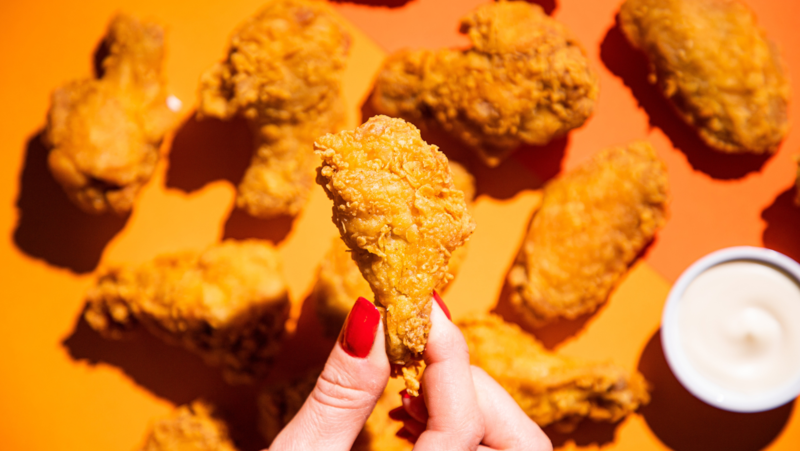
[[688, 376]]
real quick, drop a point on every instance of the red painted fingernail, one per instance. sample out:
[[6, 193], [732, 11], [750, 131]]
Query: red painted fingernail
[[439, 301], [360, 328], [405, 394]]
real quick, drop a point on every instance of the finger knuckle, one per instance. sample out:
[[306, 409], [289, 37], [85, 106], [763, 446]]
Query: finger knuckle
[[340, 393]]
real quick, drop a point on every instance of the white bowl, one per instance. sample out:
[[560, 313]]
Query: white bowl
[[694, 381]]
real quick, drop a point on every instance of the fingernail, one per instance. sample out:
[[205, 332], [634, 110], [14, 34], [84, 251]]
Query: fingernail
[[360, 328], [399, 414], [439, 301], [405, 394]]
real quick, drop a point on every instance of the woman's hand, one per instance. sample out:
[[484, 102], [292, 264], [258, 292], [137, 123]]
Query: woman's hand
[[351, 382], [460, 406]]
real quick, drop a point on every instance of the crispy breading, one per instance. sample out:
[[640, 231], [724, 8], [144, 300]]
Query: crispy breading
[[284, 75], [278, 404], [189, 428], [339, 281], [551, 389], [525, 80], [591, 225], [397, 210], [105, 133], [716, 67], [228, 304]]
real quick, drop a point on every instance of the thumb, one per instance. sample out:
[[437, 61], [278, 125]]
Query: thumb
[[353, 379]]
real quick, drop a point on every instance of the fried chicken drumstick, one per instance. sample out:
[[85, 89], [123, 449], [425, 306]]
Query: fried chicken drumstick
[[339, 281], [190, 428], [717, 68], [228, 304], [525, 80], [592, 224], [550, 388], [284, 75], [104, 133], [398, 211]]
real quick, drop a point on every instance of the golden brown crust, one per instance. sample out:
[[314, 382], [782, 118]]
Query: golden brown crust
[[592, 224], [284, 75], [339, 281], [190, 428], [525, 80], [397, 210], [550, 388], [228, 304], [105, 133], [717, 68]]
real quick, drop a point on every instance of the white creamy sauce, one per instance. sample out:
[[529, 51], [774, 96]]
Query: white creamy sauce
[[740, 326]]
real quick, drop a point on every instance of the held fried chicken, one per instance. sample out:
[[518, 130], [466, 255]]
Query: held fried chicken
[[591, 225], [397, 210], [189, 428], [278, 404], [228, 304], [104, 133], [717, 68], [549, 388], [525, 80], [339, 281], [284, 75]]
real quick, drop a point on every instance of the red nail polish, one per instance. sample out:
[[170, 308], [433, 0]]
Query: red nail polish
[[405, 394], [360, 328], [439, 301]]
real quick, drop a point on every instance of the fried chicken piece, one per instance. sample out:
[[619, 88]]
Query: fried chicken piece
[[591, 225], [278, 404], [525, 80], [397, 210], [716, 67], [284, 75], [228, 304], [104, 133], [189, 428], [551, 389], [339, 281]]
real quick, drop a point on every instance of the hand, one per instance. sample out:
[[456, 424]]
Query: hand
[[460, 407], [353, 379]]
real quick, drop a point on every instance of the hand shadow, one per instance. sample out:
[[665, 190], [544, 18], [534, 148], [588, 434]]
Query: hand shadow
[[631, 66], [528, 168], [783, 223], [684, 423], [171, 373], [50, 226]]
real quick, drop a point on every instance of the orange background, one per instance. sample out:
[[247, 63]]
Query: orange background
[[62, 387]]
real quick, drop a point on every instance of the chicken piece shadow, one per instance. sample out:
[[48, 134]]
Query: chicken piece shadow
[[587, 433], [528, 168], [375, 3], [783, 222], [171, 373], [547, 5], [240, 226], [631, 65], [50, 226], [685, 423]]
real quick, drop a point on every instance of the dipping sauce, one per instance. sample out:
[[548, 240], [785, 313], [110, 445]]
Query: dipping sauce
[[739, 324]]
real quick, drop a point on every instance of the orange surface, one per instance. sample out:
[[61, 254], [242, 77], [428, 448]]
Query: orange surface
[[62, 387]]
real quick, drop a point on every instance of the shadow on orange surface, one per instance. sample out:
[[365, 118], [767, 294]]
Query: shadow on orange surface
[[526, 169], [50, 226], [207, 150], [378, 3], [547, 5], [241, 225], [586, 434], [783, 222], [684, 423], [171, 373], [631, 66]]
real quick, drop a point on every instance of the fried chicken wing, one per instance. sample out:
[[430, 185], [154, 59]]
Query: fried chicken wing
[[551, 389], [228, 304], [717, 68], [189, 428], [284, 75], [397, 210], [339, 281], [278, 404], [104, 133], [525, 80], [592, 224]]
